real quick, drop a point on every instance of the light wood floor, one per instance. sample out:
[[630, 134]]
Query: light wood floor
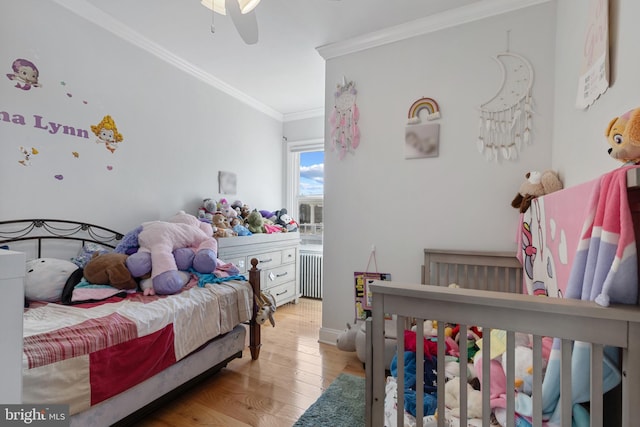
[[273, 391]]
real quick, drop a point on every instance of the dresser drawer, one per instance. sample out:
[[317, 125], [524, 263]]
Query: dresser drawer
[[288, 255], [266, 259], [284, 292], [238, 261], [278, 275]]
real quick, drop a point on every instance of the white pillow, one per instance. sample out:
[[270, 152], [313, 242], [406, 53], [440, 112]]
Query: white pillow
[[46, 278]]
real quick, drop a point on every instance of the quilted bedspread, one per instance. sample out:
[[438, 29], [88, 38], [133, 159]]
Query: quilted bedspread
[[81, 355]]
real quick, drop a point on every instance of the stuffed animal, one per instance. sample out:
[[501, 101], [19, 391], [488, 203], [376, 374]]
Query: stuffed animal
[[245, 210], [228, 211], [207, 210], [255, 222], [536, 184], [266, 304], [109, 269], [159, 239], [452, 399], [237, 224], [283, 219], [346, 340], [223, 228], [623, 135]]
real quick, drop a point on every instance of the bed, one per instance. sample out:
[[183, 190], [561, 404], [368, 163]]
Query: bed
[[116, 357], [583, 364]]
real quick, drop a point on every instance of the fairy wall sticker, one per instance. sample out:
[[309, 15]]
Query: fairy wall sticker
[[345, 133], [107, 133], [25, 74], [26, 155]]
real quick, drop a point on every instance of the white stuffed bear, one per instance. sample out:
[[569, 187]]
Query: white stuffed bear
[[347, 339]]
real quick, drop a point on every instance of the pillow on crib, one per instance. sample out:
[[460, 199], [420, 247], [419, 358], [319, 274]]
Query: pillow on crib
[[86, 252], [46, 277]]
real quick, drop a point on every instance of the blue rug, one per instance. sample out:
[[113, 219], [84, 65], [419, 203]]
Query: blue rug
[[341, 405]]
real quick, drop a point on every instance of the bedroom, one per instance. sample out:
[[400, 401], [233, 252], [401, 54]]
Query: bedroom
[[381, 209]]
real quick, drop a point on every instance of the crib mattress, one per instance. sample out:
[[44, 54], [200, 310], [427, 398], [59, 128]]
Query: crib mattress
[[84, 354]]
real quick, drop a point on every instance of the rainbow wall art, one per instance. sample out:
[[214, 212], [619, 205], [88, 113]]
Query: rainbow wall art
[[423, 104]]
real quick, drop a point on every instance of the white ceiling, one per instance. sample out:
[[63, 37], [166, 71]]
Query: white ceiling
[[283, 73]]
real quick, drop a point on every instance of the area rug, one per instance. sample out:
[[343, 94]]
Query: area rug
[[341, 405]]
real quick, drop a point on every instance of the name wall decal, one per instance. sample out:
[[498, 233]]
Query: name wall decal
[[39, 122]]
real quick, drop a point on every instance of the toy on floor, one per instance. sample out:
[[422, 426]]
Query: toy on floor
[[266, 308], [346, 340], [623, 135]]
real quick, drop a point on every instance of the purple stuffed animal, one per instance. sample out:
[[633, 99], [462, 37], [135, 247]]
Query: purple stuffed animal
[[166, 247]]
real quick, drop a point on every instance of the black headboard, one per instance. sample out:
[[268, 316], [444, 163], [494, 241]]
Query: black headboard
[[39, 230]]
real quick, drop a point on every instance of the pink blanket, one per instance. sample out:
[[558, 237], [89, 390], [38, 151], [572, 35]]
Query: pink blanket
[[579, 243]]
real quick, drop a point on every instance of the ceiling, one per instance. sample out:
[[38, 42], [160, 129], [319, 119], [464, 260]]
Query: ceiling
[[283, 73]]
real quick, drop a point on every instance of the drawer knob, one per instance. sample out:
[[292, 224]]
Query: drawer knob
[[281, 274], [266, 260], [283, 292]]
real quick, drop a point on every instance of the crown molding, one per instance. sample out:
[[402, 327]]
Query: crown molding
[[450, 18], [91, 13], [301, 115]]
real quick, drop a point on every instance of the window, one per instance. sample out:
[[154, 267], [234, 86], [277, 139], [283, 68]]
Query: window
[[305, 188]]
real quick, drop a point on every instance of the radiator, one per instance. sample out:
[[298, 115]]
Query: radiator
[[311, 275]]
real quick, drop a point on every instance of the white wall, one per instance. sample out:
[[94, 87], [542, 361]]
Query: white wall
[[457, 200], [579, 145], [178, 131], [304, 129]]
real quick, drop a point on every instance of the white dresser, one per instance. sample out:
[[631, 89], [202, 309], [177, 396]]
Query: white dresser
[[279, 261]]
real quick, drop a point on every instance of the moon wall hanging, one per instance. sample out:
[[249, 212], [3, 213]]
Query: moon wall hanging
[[506, 119], [345, 133]]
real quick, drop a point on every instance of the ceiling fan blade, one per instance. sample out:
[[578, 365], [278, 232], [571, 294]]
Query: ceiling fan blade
[[246, 24]]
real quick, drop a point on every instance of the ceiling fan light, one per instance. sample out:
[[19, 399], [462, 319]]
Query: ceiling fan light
[[247, 6], [216, 5]]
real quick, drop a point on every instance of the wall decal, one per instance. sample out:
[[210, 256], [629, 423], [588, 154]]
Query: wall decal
[[25, 74], [107, 133], [422, 139], [345, 133], [26, 153]]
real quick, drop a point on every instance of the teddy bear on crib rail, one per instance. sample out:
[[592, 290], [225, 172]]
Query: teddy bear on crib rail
[[168, 247], [536, 184], [623, 135]]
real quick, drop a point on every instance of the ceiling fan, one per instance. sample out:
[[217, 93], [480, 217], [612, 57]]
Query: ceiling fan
[[241, 13]]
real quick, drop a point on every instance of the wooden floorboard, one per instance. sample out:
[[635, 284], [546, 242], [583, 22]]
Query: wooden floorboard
[[273, 391]]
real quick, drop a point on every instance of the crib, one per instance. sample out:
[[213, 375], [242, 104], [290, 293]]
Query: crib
[[490, 296]]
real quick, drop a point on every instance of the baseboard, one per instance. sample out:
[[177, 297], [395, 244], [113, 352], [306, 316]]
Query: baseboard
[[329, 336]]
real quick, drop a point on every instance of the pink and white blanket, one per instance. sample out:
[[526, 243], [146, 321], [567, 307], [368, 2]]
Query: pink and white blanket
[[580, 243], [84, 354]]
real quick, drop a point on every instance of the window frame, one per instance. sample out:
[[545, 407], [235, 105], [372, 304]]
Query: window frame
[[293, 148]]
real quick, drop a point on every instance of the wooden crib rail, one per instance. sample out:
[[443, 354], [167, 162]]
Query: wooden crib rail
[[569, 320], [497, 271]]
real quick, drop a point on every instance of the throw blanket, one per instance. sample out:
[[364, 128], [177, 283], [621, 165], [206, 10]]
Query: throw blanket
[[603, 268]]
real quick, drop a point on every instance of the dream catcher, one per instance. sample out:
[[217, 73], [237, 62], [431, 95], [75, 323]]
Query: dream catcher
[[505, 120], [345, 133]]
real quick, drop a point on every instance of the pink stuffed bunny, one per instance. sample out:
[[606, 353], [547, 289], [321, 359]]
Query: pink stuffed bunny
[[168, 246]]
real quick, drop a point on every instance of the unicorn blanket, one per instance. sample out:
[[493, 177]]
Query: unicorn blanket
[[579, 243]]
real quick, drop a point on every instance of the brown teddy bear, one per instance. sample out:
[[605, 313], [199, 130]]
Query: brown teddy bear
[[109, 269], [623, 135], [536, 184]]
